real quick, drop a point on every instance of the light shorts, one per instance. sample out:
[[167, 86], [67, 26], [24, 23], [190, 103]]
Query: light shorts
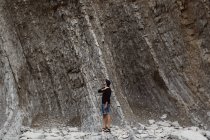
[[106, 110]]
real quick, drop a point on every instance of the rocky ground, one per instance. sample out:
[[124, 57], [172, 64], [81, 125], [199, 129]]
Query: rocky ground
[[154, 130]]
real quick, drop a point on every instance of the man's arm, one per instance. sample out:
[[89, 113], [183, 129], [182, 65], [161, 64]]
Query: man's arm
[[105, 106], [102, 89]]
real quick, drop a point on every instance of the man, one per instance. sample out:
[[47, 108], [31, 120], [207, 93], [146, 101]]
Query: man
[[105, 108]]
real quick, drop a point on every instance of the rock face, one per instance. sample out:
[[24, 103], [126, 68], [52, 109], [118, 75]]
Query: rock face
[[55, 54]]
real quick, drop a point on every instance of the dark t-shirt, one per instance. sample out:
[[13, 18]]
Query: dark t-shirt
[[106, 95]]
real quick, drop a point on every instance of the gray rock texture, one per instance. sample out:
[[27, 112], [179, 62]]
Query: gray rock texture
[[55, 54]]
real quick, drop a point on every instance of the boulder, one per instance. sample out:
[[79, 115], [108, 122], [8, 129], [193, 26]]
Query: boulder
[[187, 135]]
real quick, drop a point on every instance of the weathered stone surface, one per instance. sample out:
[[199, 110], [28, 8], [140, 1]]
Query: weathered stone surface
[[54, 55], [119, 133]]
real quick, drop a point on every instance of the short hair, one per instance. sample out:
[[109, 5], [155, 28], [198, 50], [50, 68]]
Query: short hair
[[108, 82]]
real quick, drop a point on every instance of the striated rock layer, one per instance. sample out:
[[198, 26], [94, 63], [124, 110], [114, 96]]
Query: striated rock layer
[[55, 54]]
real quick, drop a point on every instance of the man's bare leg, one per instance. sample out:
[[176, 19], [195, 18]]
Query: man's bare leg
[[108, 121], [104, 120]]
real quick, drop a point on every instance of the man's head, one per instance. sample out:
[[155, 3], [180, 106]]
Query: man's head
[[107, 82]]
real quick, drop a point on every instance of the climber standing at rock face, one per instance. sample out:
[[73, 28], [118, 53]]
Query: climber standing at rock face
[[105, 107]]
